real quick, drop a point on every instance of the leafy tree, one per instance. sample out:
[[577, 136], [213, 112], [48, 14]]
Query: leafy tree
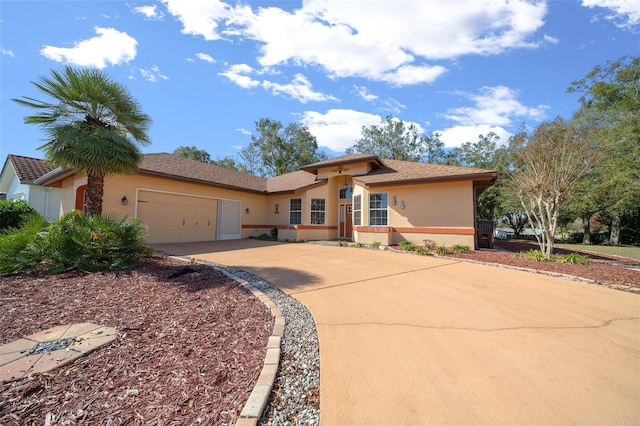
[[229, 162], [610, 103], [14, 213], [548, 164], [280, 150], [481, 154], [193, 153], [93, 125], [396, 141]]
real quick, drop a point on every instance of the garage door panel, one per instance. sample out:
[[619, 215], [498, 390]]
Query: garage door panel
[[177, 218]]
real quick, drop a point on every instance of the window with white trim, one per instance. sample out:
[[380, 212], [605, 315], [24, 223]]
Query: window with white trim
[[317, 211], [378, 209], [295, 211], [357, 210]]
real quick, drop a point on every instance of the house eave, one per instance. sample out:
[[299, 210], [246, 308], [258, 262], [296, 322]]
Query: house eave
[[475, 177]]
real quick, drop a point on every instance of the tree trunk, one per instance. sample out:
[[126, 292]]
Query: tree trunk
[[614, 238], [586, 234], [95, 191]]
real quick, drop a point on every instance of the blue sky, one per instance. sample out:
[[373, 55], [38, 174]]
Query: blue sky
[[206, 71]]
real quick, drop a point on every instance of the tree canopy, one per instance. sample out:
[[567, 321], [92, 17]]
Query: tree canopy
[[93, 126], [277, 149], [193, 153], [396, 141]]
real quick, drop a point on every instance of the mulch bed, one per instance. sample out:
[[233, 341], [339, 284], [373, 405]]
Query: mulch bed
[[191, 344], [612, 271]]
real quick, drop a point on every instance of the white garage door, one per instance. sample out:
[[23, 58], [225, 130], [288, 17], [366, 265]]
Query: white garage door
[[229, 220]]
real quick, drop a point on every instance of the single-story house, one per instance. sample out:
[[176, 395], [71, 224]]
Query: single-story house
[[355, 197], [17, 182]]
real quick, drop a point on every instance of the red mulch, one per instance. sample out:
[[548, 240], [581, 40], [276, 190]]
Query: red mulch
[[606, 270], [191, 344]]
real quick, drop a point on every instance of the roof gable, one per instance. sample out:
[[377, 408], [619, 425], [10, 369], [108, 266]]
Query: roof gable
[[27, 169]]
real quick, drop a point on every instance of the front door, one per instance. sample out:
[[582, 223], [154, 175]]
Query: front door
[[345, 221]]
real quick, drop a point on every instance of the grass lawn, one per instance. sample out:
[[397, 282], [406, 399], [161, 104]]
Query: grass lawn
[[626, 251]]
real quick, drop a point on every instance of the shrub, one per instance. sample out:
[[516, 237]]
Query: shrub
[[14, 213], [532, 254], [24, 248], [407, 245], [430, 244], [342, 244], [442, 250], [574, 258], [422, 251], [359, 245], [376, 244], [74, 242], [460, 248]]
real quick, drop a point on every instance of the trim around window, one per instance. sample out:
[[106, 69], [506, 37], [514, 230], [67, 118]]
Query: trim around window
[[318, 209], [295, 211], [378, 215], [357, 210]]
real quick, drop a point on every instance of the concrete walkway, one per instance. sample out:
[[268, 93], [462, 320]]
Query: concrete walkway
[[411, 340]]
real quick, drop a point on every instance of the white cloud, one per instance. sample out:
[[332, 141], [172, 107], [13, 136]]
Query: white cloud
[[109, 47], [338, 129], [7, 52], [550, 39], [150, 12], [457, 135], [363, 92], [205, 57], [239, 74], [152, 74], [494, 109], [300, 89], [199, 17], [244, 132], [624, 14], [383, 42]]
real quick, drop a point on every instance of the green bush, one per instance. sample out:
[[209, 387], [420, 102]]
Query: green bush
[[422, 251], [442, 250], [14, 213], [76, 241], [359, 245], [407, 245], [574, 258], [24, 248], [460, 248], [532, 254], [376, 244], [342, 244]]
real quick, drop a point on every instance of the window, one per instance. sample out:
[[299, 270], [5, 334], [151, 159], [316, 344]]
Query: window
[[295, 211], [357, 210], [346, 193], [378, 209], [317, 211]]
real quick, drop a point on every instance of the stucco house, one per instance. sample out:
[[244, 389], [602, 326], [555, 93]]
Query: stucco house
[[356, 197], [17, 182]]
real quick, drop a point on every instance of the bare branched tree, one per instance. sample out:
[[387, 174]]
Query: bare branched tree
[[548, 164]]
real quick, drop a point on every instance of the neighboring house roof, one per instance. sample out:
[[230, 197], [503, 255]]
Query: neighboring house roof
[[27, 169], [384, 172]]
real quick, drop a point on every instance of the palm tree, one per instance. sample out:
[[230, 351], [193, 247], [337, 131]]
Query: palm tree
[[93, 125]]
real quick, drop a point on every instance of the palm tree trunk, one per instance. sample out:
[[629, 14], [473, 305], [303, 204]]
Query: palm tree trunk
[[95, 191]]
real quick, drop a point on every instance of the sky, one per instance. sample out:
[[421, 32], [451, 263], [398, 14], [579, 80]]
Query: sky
[[206, 70]]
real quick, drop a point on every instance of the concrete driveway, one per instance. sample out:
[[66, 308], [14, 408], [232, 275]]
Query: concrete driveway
[[417, 340]]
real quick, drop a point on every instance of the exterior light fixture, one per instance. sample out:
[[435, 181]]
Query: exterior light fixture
[[277, 208], [393, 201], [124, 200], [246, 210], [402, 204]]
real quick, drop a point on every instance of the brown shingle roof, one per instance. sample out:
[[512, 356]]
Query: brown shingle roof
[[343, 159], [28, 169], [396, 171], [174, 166], [291, 181]]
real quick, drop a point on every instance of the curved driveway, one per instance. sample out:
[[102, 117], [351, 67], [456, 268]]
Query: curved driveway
[[420, 340]]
